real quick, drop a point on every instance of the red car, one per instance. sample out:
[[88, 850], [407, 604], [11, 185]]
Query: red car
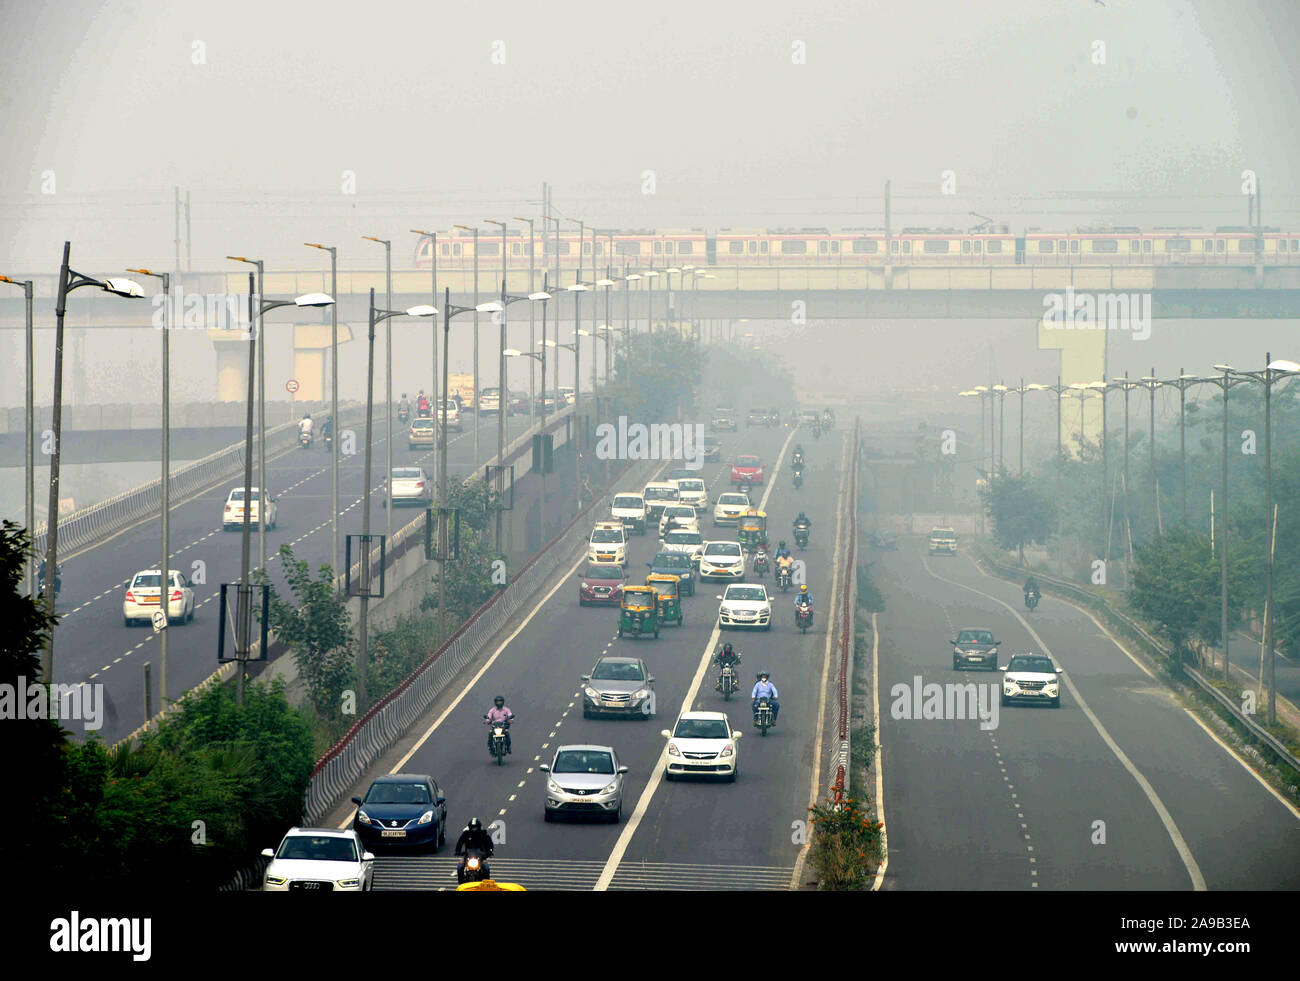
[[748, 468], [602, 584]]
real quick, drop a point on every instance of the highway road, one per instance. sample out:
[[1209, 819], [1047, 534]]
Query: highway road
[[92, 644], [1119, 788], [697, 833]]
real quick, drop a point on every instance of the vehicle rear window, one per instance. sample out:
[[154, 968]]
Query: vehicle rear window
[[683, 538], [604, 572], [975, 637], [746, 461], [407, 473]]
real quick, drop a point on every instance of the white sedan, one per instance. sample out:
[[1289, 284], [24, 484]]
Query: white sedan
[[319, 860], [729, 508], [142, 599], [1031, 678], [701, 743], [232, 515], [684, 515], [745, 605], [721, 560], [411, 486], [683, 540]]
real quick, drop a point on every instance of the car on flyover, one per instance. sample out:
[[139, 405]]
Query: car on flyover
[[712, 449], [1031, 678], [422, 434], [402, 810], [701, 744], [721, 560], [411, 486], [975, 647], [142, 599], [453, 414], [319, 860], [745, 605], [730, 507], [675, 563], [601, 584], [681, 516], [584, 779], [747, 468], [232, 515], [618, 686]]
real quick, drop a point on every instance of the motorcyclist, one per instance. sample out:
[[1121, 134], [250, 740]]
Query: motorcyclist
[[327, 428], [804, 598], [498, 714], [304, 426], [58, 577], [728, 655], [798, 455], [802, 522], [782, 552], [764, 688], [1031, 588], [423, 403], [404, 406], [760, 561]]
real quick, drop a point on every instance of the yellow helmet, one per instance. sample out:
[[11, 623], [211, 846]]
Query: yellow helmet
[[803, 588]]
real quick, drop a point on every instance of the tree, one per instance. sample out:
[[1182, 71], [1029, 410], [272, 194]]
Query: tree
[[1021, 511]]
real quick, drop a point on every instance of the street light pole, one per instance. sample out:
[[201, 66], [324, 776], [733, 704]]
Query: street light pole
[[261, 407], [1151, 383], [334, 405], [388, 387], [433, 256], [532, 341]]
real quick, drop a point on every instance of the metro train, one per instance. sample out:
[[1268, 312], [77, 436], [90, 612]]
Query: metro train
[[860, 246]]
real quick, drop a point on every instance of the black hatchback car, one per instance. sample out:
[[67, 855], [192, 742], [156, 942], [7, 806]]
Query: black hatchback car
[[975, 648], [676, 564], [402, 810]]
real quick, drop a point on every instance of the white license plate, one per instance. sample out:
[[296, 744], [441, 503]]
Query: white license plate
[[393, 834]]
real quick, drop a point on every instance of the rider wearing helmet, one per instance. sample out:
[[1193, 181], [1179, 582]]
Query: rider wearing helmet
[[804, 596], [727, 656], [304, 425], [765, 689], [781, 551], [803, 521], [404, 405], [498, 714], [474, 838], [423, 403]]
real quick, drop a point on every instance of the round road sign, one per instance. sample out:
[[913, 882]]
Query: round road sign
[[291, 385], [159, 621]]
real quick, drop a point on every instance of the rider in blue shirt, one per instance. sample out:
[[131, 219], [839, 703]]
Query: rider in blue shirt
[[765, 689]]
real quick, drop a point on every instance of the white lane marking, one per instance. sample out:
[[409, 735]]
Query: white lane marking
[[826, 666], [643, 803], [1171, 828]]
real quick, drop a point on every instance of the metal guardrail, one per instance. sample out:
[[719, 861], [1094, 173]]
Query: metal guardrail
[[105, 519], [1092, 599], [337, 771], [840, 770]]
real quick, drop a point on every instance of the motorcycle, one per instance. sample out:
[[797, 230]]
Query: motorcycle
[[801, 537], [727, 682], [404, 413], [761, 564], [304, 438], [798, 479], [763, 716], [473, 867], [1031, 598], [497, 741], [329, 441], [783, 577], [58, 582], [803, 616]]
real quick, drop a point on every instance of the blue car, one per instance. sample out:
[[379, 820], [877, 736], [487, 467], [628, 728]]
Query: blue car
[[402, 810], [675, 564]]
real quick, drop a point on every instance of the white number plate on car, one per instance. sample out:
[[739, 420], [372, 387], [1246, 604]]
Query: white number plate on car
[[393, 834]]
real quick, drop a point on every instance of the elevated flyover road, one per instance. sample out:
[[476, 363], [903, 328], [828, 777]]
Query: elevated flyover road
[[692, 833], [94, 646], [1119, 788]]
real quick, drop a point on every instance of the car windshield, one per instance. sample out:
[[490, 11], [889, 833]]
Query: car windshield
[[407, 473], [604, 572], [618, 671], [746, 461], [722, 548], [682, 538], [583, 761], [975, 637], [1037, 663], [606, 535], [692, 484], [734, 499], [746, 593], [313, 848], [398, 793], [661, 493], [672, 560], [942, 536], [628, 502], [701, 729]]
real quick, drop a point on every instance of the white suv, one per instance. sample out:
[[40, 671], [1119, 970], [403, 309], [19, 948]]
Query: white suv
[[1031, 678], [608, 543], [319, 860], [629, 508], [453, 415], [693, 491]]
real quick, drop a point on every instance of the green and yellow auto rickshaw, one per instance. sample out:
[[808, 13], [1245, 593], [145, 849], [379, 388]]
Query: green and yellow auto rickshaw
[[751, 530], [639, 612], [670, 604]]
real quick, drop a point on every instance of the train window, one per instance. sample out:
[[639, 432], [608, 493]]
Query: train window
[[979, 246], [1133, 245], [907, 247], [866, 245], [798, 247], [1295, 243], [1207, 245], [489, 248], [935, 246], [446, 249], [586, 248], [1146, 245], [965, 247], [627, 248], [659, 247], [455, 249], [1105, 245], [736, 248], [1219, 245], [1046, 245], [764, 247], [835, 247], [515, 248], [1245, 245], [994, 245], [893, 247], [685, 248], [753, 248], [1061, 245], [1178, 245], [823, 247], [1074, 245], [562, 248]]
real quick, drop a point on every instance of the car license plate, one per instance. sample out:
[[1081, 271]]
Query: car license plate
[[393, 834]]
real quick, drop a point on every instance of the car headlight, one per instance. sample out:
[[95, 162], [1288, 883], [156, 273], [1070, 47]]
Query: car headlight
[[643, 693], [610, 787], [425, 818], [726, 751], [553, 787], [363, 817], [276, 880], [673, 750], [592, 693], [586, 585], [348, 883]]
